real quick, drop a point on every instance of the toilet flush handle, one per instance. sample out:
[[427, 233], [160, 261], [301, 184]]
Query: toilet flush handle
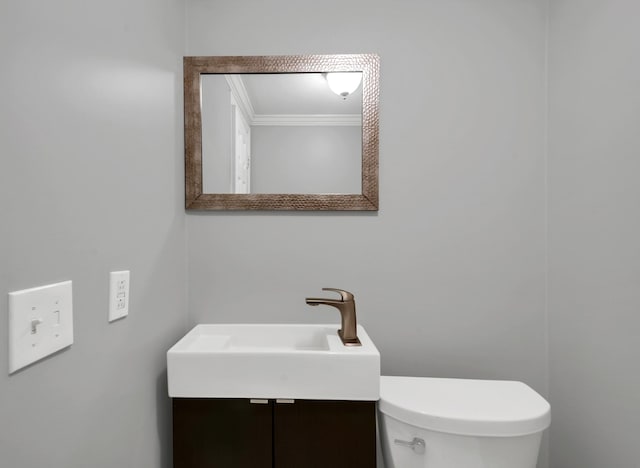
[[417, 445]]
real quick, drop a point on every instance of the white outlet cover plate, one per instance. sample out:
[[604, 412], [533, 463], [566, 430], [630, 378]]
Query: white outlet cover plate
[[40, 323], [118, 294]]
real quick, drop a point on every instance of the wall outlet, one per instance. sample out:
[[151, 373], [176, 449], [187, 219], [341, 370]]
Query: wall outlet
[[40, 323], [118, 295]]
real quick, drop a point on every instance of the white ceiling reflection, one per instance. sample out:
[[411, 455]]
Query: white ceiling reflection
[[298, 93]]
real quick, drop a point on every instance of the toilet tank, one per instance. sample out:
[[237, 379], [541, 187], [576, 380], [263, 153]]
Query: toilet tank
[[463, 423]]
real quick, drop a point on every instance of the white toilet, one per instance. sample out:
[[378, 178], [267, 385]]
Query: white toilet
[[460, 423]]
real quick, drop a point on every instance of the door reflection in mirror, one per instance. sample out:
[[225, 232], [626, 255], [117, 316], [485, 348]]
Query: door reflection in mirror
[[240, 150]]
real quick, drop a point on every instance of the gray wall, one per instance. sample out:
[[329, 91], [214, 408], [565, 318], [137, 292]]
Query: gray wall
[[92, 181], [301, 159], [449, 275], [594, 232]]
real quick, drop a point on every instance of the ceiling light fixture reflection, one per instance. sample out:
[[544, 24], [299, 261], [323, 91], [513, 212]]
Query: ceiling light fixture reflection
[[344, 83]]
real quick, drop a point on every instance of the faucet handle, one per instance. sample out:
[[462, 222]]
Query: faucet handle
[[345, 295]]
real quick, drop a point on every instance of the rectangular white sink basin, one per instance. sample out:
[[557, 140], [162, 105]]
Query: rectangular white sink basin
[[293, 361]]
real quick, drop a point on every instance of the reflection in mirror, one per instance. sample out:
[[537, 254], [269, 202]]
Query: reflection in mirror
[[281, 133], [277, 132]]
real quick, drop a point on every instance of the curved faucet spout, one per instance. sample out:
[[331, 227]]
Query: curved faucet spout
[[346, 305], [314, 301]]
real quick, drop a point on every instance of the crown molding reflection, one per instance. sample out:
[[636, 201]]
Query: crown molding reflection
[[338, 120]]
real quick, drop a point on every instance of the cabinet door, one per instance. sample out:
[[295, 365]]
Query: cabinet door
[[322, 434], [221, 433]]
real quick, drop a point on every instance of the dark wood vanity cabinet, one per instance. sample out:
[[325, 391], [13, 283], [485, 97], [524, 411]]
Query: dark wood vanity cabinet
[[322, 434], [235, 433], [221, 433]]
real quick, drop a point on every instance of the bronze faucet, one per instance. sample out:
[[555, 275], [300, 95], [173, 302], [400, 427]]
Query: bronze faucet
[[347, 307]]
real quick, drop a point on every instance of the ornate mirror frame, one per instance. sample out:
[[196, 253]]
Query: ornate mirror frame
[[194, 67]]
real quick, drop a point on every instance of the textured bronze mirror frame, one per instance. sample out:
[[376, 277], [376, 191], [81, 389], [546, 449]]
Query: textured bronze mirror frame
[[194, 67]]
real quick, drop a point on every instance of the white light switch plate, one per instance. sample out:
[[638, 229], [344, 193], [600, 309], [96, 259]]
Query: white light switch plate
[[40, 323], [118, 295]]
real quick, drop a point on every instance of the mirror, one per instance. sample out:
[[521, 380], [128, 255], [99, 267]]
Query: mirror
[[268, 133]]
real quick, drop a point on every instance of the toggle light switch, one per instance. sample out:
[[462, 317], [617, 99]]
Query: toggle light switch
[[34, 325]]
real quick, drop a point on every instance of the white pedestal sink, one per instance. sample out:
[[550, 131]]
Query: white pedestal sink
[[295, 361]]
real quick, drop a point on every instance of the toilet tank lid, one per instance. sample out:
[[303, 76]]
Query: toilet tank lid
[[494, 408]]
